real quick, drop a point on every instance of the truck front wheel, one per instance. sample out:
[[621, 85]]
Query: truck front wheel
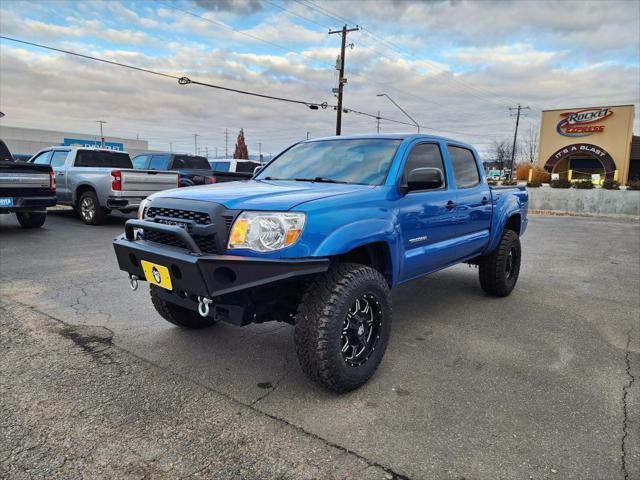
[[500, 269], [31, 219], [342, 327], [180, 316]]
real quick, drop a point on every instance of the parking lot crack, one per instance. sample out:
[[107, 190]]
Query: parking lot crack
[[625, 421]]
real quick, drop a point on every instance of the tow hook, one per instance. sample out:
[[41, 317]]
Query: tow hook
[[203, 306], [133, 282]]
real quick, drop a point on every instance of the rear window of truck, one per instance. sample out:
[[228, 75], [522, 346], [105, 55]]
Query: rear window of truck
[[100, 158], [187, 161]]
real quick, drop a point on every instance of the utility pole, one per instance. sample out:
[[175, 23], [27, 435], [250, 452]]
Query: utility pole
[[519, 108], [195, 143], [216, 152], [308, 135], [341, 79], [171, 147], [378, 121], [226, 143], [101, 122], [259, 149]]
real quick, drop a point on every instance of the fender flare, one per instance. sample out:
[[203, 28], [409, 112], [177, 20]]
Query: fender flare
[[360, 233], [511, 207]]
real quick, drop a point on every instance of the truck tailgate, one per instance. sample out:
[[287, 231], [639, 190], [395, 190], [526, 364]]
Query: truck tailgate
[[24, 179], [148, 180]]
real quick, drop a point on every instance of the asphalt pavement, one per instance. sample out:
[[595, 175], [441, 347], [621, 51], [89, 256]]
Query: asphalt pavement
[[542, 384]]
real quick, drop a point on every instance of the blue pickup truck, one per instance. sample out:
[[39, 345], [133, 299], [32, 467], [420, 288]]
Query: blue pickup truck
[[318, 238]]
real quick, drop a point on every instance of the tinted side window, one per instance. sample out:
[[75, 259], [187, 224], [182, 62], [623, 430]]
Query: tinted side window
[[159, 162], [465, 169], [43, 158], [140, 161], [246, 167], [59, 158], [422, 156]]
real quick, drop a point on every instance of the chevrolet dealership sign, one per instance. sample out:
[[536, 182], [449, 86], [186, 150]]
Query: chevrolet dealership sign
[[75, 142]]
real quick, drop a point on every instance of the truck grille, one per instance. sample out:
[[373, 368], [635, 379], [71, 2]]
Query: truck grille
[[207, 243], [199, 217]]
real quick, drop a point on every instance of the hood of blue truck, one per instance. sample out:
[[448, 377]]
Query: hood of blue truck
[[262, 194]]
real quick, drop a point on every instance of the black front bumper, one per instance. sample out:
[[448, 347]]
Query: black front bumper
[[194, 273]]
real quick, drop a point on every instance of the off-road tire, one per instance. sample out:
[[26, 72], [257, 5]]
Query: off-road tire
[[180, 316], [319, 325], [87, 203], [496, 278], [31, 219]]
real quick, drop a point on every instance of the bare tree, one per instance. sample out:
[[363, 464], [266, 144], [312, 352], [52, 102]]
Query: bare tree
[[500, 152], [531, 140]]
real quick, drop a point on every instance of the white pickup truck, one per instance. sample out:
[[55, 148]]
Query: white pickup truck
[[95, 181]]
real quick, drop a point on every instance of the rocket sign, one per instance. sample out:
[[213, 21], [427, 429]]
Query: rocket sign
[[581, 123]]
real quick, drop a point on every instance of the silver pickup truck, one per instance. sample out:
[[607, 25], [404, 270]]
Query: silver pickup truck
[[95, 181]]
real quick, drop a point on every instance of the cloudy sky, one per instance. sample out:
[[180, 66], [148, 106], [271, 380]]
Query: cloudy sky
[[455, 66]]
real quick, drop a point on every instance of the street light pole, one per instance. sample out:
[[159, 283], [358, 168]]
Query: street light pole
[[401, 109]]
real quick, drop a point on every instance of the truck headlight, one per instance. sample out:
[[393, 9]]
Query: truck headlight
[[142, 208], [266, 231]]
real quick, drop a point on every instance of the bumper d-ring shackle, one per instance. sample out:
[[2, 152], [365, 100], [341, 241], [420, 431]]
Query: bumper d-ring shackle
[[133, 282], [203, 306]]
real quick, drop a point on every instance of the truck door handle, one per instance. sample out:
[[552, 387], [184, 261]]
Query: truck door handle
[[450, 205], [485, 200]]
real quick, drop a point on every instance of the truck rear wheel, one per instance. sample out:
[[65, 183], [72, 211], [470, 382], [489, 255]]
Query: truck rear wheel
[[343, 325], [90, 210], [499, 270], [180, 316], [31, 219]]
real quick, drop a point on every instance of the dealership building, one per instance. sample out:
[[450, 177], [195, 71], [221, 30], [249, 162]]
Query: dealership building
[[24, 142], [587, 142]]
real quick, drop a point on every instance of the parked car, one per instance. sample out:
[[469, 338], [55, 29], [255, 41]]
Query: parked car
[[320, 236], [231, 169], [95, 181], [25, 189], [193, 169]]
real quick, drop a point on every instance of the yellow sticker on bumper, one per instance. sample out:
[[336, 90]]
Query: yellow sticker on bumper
[[157, 274]]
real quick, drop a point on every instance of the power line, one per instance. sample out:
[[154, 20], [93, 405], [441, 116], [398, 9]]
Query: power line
[[181, 80], [485, 93], [225, 26]]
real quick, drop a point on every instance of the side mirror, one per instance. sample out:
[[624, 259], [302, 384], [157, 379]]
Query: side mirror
[[424, 179], [257, 170]]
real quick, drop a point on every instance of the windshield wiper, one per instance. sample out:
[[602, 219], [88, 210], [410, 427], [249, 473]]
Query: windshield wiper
[[319, 180]]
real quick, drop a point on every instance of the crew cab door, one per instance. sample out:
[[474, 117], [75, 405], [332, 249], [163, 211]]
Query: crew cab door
[[426, 217], [59, 166], [473, 206]]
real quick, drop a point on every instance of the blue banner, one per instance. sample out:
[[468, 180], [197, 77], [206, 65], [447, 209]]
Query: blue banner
[[76, 142]]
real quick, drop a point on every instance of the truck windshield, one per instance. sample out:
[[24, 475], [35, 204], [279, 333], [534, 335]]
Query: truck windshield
[[102, 158], [361, 161], [188, 161]]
